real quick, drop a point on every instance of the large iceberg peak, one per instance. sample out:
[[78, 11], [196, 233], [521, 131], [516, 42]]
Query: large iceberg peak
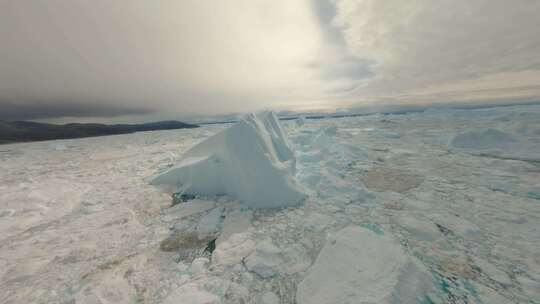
[[251, 161]]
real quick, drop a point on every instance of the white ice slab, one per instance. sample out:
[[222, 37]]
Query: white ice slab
[[356, 266]]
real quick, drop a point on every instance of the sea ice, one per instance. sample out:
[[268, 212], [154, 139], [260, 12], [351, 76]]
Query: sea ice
[[83, 226], [250, 161]]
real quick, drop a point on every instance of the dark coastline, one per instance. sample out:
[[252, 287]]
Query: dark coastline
[[27, 131]]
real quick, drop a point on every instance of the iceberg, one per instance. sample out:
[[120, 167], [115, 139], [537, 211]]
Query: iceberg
[[250, 161]]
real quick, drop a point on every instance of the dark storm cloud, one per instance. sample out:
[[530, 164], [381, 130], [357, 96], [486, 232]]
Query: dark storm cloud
[[46, 109], [160, 55]]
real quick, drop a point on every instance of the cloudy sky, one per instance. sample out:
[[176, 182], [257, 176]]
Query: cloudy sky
[[112, 60]]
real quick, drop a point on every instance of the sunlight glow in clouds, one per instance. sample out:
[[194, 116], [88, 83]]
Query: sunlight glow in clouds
[[438, 51]]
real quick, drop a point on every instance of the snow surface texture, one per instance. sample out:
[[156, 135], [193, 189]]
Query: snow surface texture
[[79, 222], [250, 161]]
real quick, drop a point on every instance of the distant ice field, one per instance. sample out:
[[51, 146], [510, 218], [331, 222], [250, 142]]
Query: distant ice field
[[434, 207]]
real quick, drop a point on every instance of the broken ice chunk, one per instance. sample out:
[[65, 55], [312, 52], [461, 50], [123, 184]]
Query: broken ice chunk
[[358, 266], [209, 224], [232, 251], [235, 222]]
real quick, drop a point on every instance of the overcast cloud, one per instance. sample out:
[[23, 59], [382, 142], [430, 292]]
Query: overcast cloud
[[102, 58]]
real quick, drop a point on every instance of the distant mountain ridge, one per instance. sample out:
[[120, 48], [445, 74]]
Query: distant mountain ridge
[[25, 131]]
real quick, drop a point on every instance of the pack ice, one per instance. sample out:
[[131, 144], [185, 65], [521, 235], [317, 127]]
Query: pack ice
[[251, 161]]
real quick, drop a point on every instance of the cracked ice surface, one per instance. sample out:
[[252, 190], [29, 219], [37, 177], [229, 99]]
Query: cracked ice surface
[[454, 221]]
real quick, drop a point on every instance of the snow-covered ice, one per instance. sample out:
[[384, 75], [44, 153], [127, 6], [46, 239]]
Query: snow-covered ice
[[425, 217]]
